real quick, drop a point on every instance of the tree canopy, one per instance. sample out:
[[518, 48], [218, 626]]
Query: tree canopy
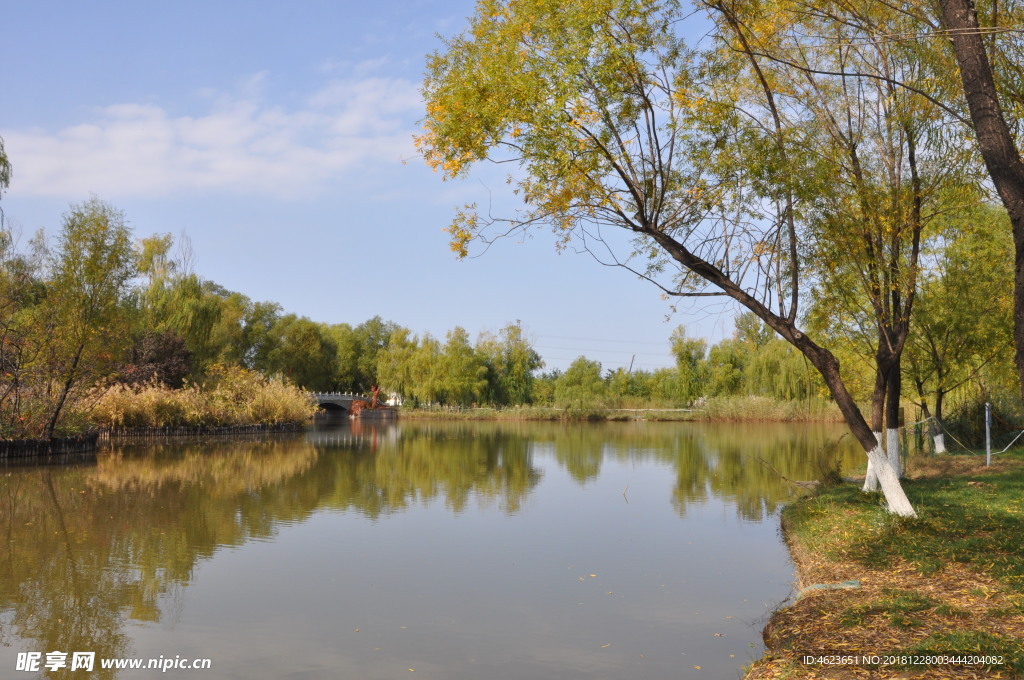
[[615, 125]]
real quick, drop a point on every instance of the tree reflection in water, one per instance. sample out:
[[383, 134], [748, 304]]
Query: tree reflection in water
[[89, 548]]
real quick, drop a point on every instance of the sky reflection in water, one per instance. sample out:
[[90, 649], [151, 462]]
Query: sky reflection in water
[[457, 550]]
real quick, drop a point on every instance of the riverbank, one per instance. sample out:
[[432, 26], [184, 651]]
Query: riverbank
[[949, 583], [716, 409]]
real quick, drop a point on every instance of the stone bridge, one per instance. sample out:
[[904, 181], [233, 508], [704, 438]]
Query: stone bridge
[[334, 401]]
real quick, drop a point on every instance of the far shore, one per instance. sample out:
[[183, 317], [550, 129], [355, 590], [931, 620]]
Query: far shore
[[726, 409]]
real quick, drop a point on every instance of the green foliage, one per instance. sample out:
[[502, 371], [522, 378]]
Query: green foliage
[[301, 351], [395, 363], [463, 370], [5, 171], [566, 90], [581, 386], [82, 315], [963, 341], [359, 352], [511, 363], [691, 367]]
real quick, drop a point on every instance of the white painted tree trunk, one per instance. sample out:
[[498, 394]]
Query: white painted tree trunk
[[940, 442], [887, 478], [892, 450], [871, 478]]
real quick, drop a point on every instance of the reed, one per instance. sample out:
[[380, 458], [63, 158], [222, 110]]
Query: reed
[[234, 397], [766, 409]]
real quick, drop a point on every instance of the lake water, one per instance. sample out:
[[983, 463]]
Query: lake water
[[446, 551]]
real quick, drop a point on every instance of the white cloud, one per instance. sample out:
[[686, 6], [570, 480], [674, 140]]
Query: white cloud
[[240, 145]]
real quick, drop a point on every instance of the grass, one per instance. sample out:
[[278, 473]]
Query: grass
[[229, 396], [739, 409], [948, 582]]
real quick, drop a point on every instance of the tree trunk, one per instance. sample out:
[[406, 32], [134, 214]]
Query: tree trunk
[[892, 417], [887, 477], [877, 408], [69, 382], [823, 360], [995, 142], [899, 504], [870, 477], [940, 432]]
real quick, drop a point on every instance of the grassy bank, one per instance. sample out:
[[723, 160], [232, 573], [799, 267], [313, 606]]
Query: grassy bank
[[732, 409], [950, 582]]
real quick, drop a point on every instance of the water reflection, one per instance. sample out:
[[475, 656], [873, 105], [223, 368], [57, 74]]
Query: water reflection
[[90, 548]]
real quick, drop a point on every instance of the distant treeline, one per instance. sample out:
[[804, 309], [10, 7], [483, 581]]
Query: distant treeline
[[95, 317]]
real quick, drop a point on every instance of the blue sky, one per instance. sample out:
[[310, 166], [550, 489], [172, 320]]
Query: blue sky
[[277, 136]]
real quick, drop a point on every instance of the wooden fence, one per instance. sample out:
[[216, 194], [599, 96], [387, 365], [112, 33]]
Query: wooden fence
[[58, 446]]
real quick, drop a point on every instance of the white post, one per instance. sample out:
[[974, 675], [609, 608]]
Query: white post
[[988, 434]]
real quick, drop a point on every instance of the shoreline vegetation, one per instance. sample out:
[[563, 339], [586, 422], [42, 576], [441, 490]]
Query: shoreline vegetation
[[229, 400], [949, 583], [228, 396], [714, 409], [232, 400]]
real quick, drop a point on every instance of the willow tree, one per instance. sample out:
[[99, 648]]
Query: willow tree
[[978, 48], [970, 280], [894, 170], [622, 137]]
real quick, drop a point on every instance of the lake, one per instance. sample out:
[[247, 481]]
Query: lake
[[443, 550]]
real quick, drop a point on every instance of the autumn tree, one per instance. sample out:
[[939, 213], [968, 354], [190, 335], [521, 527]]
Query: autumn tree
[[988, 59], [963, 323], [671, 163], [90, 271], [21, 292], [884, 168], [972, 52]]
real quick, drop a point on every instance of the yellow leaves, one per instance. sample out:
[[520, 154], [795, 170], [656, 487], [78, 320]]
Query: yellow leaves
[[463, 229], [692, 103]]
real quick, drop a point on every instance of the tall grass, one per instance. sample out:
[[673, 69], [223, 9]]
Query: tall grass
[[228, 396], [732, 408], [766, 409]]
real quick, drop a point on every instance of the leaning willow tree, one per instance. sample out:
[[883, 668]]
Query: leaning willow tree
[[684, 167]]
